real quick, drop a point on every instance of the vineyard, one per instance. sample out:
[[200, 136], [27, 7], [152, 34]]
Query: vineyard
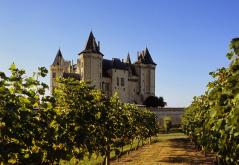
[[77, 121], [212, 120], [80, 122]]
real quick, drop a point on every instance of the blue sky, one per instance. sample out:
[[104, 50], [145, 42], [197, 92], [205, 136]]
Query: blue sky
[[186, 38]]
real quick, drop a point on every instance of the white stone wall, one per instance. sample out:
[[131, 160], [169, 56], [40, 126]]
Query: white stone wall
[[107, 86], [133, 90], [173, 112], [57, 71], [146, 82], [91, 68], [118, 76]]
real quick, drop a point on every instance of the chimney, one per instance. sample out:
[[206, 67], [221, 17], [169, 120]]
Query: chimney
[[99, 45]]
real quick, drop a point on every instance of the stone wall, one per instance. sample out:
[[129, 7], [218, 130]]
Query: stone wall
[[174, 113]]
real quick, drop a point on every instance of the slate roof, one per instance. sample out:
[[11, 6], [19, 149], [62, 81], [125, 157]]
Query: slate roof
[[116, 63], [72, 75], [91, 46], [145, 58], [59, 60]]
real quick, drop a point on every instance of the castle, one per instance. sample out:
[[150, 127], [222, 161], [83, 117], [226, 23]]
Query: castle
[[133, 81]]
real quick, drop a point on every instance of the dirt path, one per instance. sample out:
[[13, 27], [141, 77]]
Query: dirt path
[[170, 150]]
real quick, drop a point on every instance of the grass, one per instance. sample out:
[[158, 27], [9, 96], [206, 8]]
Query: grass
[[173, 148], [95, 160]]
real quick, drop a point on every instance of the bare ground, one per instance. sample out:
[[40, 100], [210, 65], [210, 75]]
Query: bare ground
[[170, 150]]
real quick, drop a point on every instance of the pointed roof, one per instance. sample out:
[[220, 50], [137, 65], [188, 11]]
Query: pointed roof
[[145, 57], [59, 60], [128, 60], [91, 45], [148, 58]]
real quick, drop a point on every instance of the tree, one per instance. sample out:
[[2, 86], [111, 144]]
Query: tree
[[154, 101], [76, 122], [161, 102], [26, 135], [212, 119]]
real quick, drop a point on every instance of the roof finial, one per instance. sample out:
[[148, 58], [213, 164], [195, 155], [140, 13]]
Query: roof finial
[[128, 60]]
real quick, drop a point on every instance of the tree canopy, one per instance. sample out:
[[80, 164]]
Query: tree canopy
[[75, 122], [212, 120], [154, 101]]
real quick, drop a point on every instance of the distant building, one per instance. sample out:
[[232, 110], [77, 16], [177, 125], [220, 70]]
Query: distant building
[[133, 81]]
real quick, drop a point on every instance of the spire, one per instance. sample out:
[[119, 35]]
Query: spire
[[59, 60], [91, 45], [145, 57], [128, 60]]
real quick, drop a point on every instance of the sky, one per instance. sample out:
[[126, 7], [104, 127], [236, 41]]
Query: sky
[[186, 38]]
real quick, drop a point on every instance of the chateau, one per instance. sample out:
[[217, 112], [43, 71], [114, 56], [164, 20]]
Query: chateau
[[133, 81]]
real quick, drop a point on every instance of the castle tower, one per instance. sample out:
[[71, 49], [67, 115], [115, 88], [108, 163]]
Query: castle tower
[[90, 62], [57, 69], [145, 68]]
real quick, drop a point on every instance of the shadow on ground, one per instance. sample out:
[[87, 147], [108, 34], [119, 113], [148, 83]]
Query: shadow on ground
[[184, 145]]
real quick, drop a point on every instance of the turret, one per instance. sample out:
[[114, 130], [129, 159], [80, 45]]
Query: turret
[[90, 62], [145, 68], [58, 67]]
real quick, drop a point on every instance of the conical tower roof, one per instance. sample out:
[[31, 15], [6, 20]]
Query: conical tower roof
[[91, 45], [145, 57], [59, 60]]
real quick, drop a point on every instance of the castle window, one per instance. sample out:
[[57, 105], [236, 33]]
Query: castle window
[[122, 81], [117, 81], [54, 75], [107, 86]]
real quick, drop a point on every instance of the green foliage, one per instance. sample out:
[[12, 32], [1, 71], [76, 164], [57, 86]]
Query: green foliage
[[212, 120], [25, 114], [154, 101], [167, 123], [77, 121], [99, 125]]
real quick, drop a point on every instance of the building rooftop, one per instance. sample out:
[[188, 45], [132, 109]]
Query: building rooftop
[[92, 46]]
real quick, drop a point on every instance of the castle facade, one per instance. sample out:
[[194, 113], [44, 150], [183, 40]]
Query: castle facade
[[133, 81]]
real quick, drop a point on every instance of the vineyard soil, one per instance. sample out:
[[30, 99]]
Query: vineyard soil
[[173, 148]]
